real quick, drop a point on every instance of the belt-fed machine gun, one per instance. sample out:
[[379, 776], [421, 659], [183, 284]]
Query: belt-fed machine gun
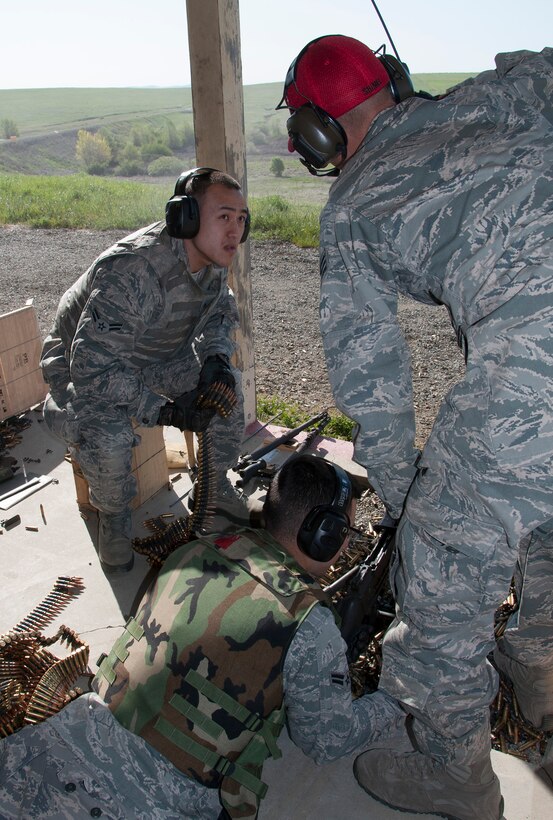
[[254, 464], [362, 584]]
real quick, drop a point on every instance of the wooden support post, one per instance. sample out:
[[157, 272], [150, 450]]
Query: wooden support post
[[218, 105]]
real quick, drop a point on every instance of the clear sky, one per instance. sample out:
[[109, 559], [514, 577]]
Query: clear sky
[[97, 43]]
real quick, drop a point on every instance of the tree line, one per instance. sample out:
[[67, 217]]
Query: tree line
[[147, 149]]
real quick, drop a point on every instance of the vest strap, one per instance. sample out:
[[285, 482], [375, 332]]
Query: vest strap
[[248, 719], [267, 728], [189, 711], [211, 759], [133, 628], [119, 651]]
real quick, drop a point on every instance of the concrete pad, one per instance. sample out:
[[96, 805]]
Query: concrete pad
[[32, 560], [301, 790]]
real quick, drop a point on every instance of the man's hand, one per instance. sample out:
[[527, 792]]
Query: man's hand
[[185, 413], [215, 369]]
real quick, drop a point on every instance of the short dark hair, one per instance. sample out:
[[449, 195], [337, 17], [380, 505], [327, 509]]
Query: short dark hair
[[301, 484], [198, 185]]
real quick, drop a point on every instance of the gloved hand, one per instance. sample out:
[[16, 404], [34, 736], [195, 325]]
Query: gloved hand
[[215, 369], [186, 414]]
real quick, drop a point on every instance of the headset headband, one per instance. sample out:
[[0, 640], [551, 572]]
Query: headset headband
[[291, 76], [314, 133], [326, 527], [187, 176]]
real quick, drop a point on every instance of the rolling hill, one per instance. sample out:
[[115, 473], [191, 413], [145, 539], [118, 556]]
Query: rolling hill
[[48, 120]]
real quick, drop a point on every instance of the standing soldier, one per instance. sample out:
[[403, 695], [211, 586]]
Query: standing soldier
[[448, 201]]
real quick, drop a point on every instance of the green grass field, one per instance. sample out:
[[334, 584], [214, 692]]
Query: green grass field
[[46, 110], [41, 183], [97, 203]]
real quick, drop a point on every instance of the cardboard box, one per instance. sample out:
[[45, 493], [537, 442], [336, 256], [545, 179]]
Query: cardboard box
[[149, 467], [21, 382]]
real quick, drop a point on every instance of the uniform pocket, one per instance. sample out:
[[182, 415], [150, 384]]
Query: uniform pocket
[[445, 561]]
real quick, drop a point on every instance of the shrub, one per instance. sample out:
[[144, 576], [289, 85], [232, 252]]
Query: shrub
[[165, 167], [8, 128], [154, 149], [188, 137], [115, 143], [277, 166], [93, 152], [131, 164], [172, 138], [131, 168]]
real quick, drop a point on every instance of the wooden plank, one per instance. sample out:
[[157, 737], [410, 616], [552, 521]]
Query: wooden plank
[[21, 382], [152, 442], [149, 467]]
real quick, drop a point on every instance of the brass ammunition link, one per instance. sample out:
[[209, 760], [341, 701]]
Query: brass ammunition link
[[166, 538], [34, 683]]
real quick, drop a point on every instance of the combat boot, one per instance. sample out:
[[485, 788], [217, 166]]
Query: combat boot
[[533, 687], [420, 784], [114, 542]]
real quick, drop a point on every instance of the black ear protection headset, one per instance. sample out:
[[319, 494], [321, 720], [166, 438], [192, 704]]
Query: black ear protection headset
[[182, 212], [314, 133], [326, 527]]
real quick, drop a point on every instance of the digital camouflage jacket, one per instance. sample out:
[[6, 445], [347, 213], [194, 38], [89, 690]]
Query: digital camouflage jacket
[[448, 202], [126, 331]]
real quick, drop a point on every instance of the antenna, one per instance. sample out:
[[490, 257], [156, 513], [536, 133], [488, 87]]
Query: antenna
[[385, 27]]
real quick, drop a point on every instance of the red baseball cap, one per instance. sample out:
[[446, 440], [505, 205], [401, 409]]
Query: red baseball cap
[[335, 72]]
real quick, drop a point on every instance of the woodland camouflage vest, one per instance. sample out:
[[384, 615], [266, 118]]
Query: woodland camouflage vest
[[198, 672]]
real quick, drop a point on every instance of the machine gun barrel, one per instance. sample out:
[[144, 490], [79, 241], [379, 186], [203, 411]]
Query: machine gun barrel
[[312, 435], [255, 455], [253, 468]]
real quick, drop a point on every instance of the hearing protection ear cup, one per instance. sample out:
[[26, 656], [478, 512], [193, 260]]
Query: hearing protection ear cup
[[247, 225], [316, 135], [401, 84], [323, 533], [182, 217], [325, 528], [182, 212]]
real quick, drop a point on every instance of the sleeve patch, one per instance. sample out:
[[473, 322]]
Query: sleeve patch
[[102, 326], [339, 679]]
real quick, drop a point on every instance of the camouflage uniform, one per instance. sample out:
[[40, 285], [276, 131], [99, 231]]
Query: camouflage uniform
[[450, 202], [116, 771], [132, 332], [82, 763]]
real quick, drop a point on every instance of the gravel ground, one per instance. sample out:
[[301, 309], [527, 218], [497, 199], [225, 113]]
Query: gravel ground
[[42, 264]]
